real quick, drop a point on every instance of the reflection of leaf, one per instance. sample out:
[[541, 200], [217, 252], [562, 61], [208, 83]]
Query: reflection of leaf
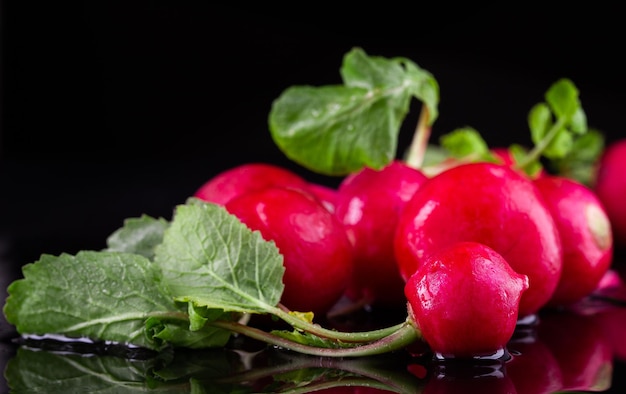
[[43, 372], [208, 371], [292, 372], [203, 365]]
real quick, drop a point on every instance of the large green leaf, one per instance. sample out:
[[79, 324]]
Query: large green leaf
[[210, 258], [99, 295], [338, 129]]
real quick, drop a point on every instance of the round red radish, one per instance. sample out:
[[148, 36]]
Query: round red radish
[[317, 254], [369, 203], [504, 154], [326, 194], [610, 187], [246, 178], [464, 298], [585, 234], [491, 204]]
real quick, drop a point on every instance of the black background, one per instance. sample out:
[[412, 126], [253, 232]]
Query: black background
[[115, 109]]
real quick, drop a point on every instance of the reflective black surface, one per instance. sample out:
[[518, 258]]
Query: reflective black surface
[[578, 350]]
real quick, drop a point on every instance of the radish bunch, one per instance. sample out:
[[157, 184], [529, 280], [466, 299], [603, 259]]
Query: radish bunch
[[472, 245], [473, 249]]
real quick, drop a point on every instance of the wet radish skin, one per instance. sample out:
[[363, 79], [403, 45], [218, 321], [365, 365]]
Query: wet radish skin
[[368, 203], [610, 187], [491, 204], [585, 233], [326, 194], [246, 178], [464, 299], [318, 256]]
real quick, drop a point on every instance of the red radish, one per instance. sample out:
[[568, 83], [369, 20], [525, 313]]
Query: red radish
[[504, 154], [245, 178], [464, 298], [368, 204], [585, 234], [317, 254], [326, 194], [491, 204], [610, 187]]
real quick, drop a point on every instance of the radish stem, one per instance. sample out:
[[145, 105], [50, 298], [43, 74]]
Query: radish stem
[[403, 336], [417, 149]]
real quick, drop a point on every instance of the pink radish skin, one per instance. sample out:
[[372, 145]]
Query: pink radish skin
[[585, 234], [368, 204], [505, 156], [246, 178], [318, 256], [491, 204], [464, 298], [610, 187], [326, 194]]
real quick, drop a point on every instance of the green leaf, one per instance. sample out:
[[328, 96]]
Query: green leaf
[[562, 97], [466, 142], [578, 123], [338, 129], [178, 334], [560, 145], [518, 153], [138, 235], [98, 295], [580, 163], [555, 124], [212, 259], [539, 122]]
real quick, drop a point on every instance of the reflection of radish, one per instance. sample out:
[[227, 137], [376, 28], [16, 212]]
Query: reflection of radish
[[317, 253], [585, 234], [533, 368], [613, 323], [583, 352], [464, 299], [491, 204], [368, 204], [478, 379], [610, 186]]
